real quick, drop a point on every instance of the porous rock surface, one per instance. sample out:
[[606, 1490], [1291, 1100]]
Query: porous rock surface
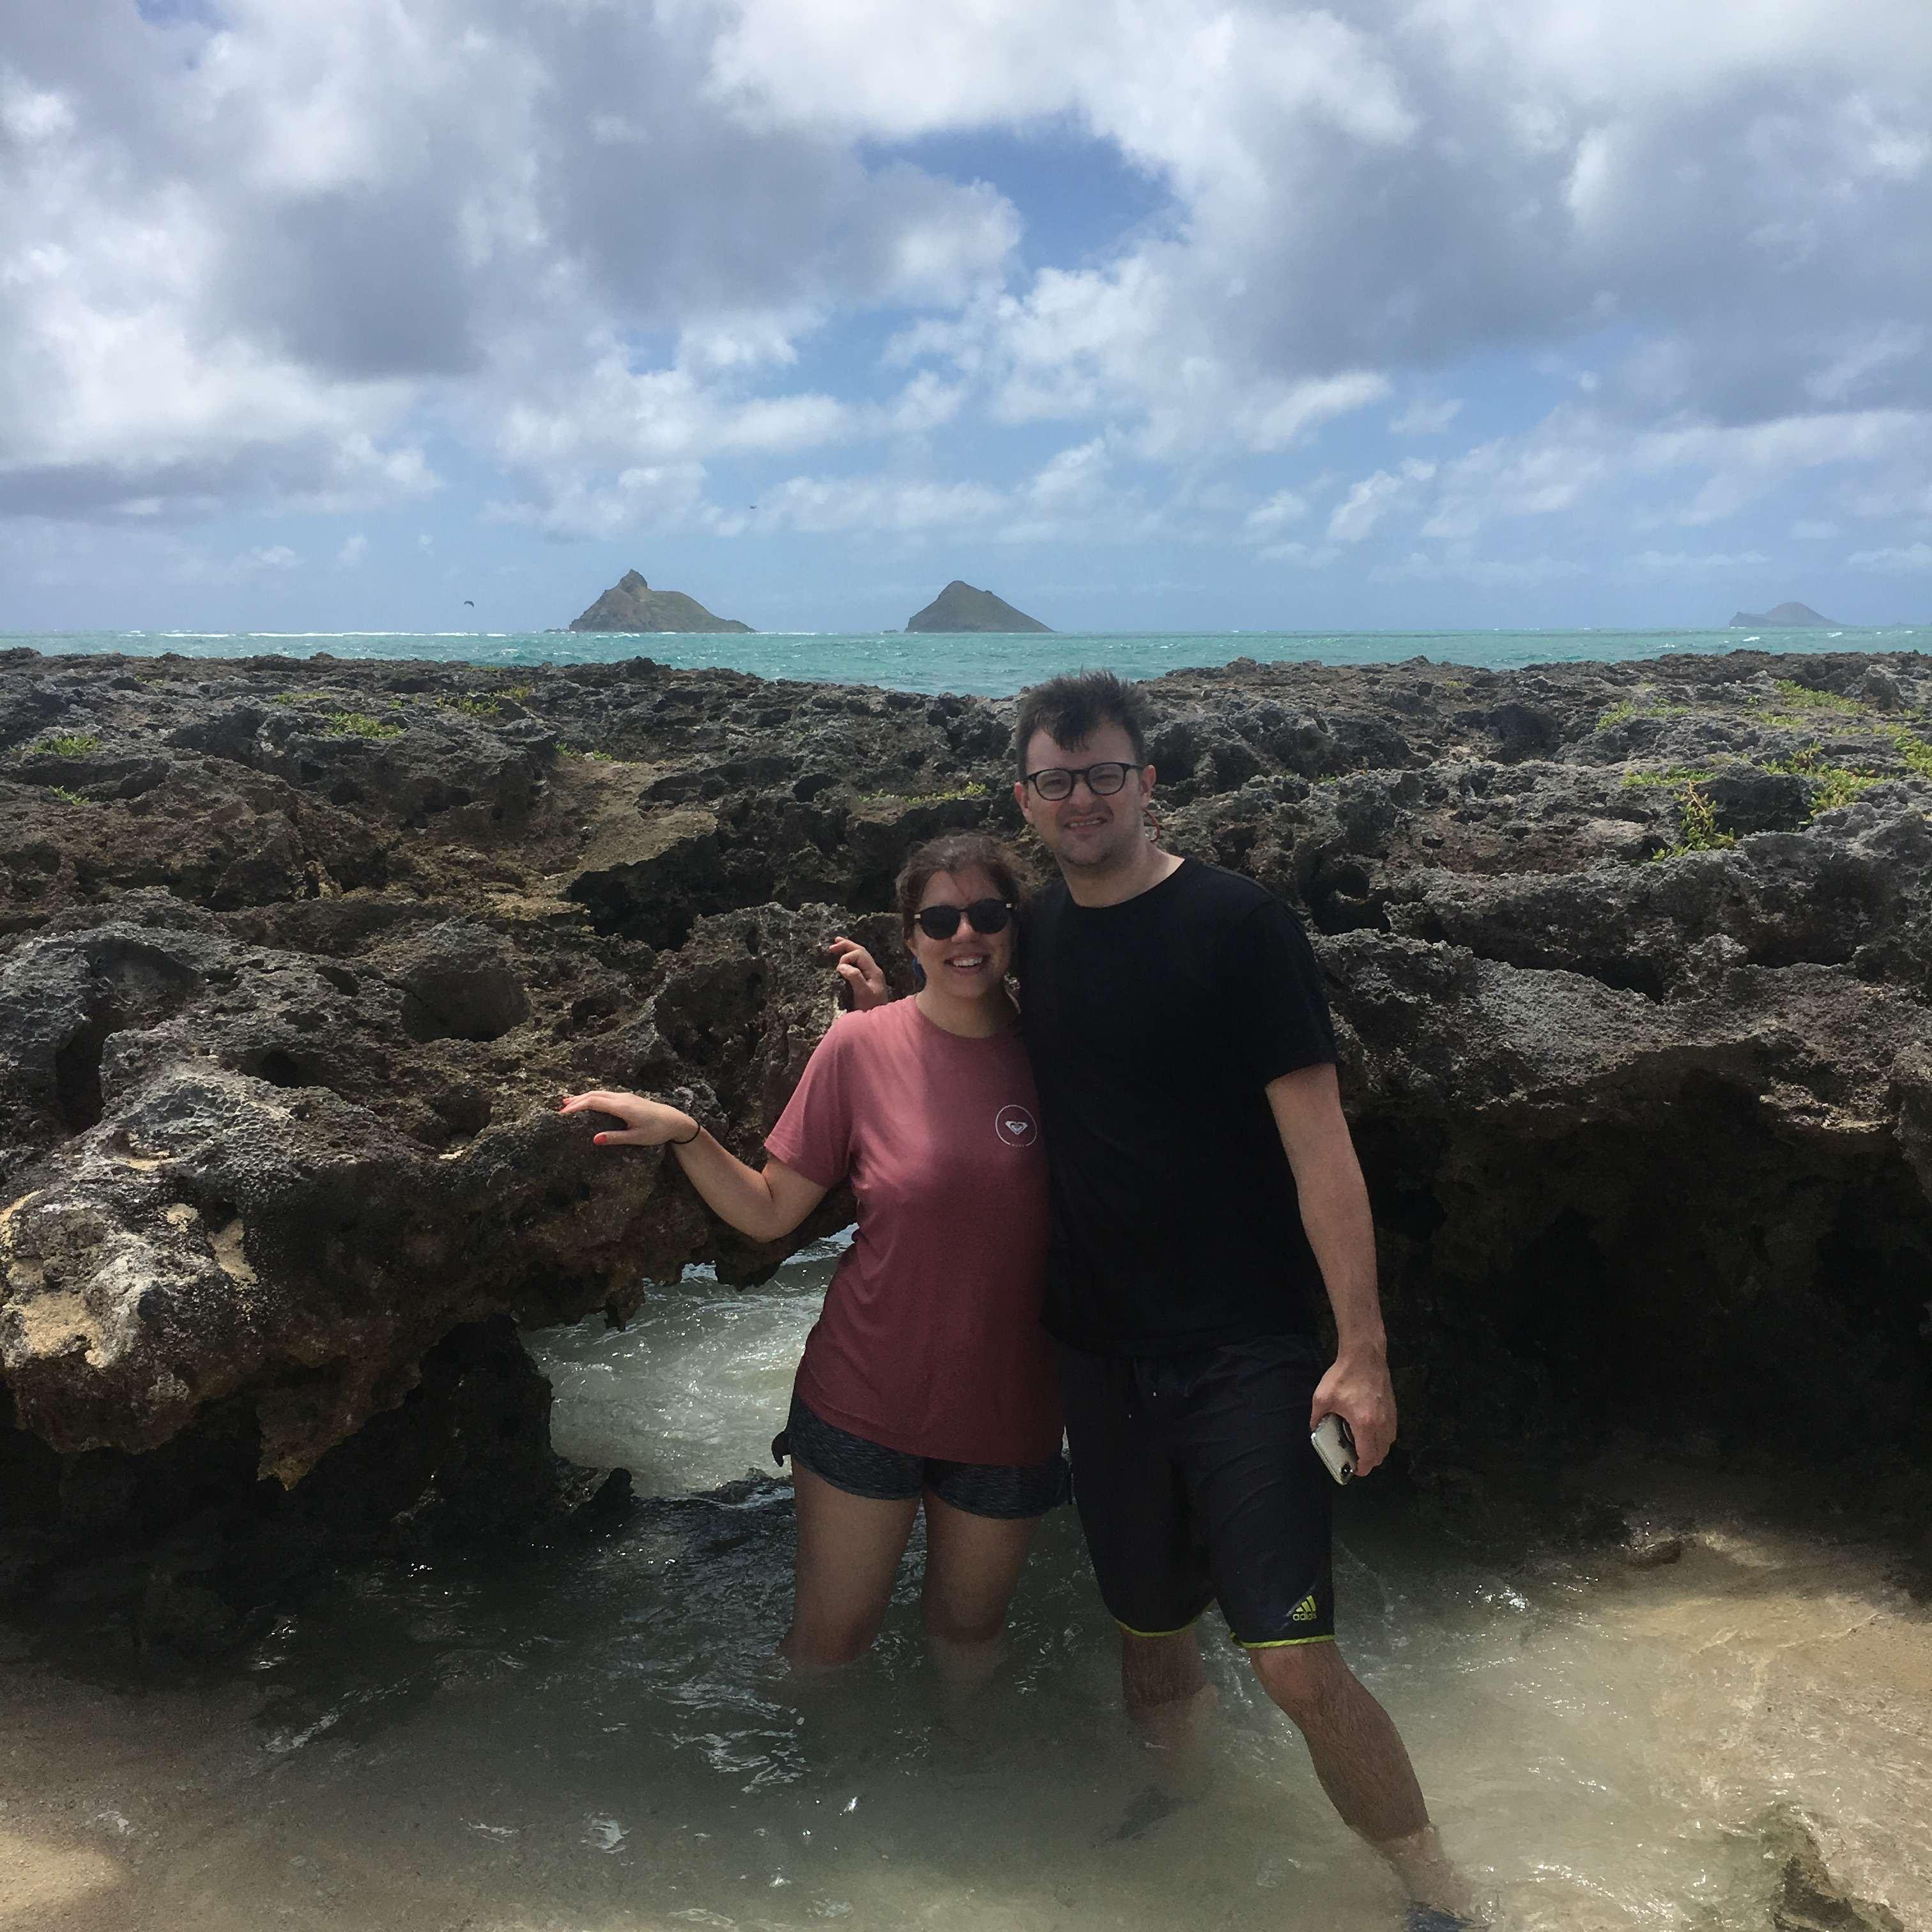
[[1630, 964]]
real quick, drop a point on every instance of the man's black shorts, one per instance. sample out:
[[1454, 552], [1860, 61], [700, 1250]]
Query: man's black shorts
[[1195, 1482]]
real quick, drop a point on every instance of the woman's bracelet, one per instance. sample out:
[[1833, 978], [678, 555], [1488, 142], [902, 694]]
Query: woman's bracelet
[[697, 1131]]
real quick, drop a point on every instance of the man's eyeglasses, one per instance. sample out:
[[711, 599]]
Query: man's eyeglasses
[[1056, 782], [942, 922]]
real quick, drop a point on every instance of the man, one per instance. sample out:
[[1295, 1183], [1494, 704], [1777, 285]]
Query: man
[[1203, 1184]]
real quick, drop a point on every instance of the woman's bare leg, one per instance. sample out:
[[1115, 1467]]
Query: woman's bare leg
[[972, 1563], [849, 1549]]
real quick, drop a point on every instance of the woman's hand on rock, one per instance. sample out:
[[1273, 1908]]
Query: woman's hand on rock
[[647, 1122], [860, 971]]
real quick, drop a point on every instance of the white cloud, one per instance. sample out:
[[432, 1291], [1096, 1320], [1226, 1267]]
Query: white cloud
[[271, 257], [1685, 563], [353, 550], [188, 566], [820, 506], [1459, 564], [1745, 461], [1284, 507], [1914, 559], [644, 496], [1372, 499], [1303, 555], [1870, 352], [1691, 474], [239, 262], [1422, 418]]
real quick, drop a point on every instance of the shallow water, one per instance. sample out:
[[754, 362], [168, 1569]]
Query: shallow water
[[598, 1739], [992, 665]]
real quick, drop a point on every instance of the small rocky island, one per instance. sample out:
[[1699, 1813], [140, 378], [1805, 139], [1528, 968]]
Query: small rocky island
[[959, 606], [631, 604], [1783, 617]]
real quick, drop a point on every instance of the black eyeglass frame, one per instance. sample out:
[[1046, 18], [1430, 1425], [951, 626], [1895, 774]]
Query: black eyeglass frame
[[1123, 765], [1005, 908]]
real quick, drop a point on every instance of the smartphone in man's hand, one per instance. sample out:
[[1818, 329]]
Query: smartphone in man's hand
[[1335, 1443]]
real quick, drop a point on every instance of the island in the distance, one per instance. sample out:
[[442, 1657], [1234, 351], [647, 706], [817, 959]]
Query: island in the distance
[[631, 604], [961, 608], [1785, 617]]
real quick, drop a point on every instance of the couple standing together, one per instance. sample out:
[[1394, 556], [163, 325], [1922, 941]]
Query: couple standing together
[[1151, 1287]]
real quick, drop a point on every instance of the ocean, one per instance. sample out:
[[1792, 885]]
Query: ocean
[[988, 666]]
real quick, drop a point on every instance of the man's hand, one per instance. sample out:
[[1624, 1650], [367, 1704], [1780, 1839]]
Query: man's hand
[[647, 1122], [1357, 1389], [860, 971]]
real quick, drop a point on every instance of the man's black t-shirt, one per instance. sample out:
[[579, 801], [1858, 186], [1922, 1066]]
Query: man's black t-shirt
[[1154, 1026]]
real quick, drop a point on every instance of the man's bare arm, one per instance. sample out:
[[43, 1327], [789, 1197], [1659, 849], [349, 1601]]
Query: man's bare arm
[[1307, 1107]]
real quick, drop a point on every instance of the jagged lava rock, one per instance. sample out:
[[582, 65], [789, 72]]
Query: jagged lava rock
[[961, 608], [295, 957], [631, 604]]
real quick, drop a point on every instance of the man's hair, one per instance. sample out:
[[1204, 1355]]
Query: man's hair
[[1070, 709], [956, 852]]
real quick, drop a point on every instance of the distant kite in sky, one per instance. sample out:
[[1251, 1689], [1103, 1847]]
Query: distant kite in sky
[[468, 603]]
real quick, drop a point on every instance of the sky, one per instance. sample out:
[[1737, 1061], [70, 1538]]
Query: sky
[[1148, 314]]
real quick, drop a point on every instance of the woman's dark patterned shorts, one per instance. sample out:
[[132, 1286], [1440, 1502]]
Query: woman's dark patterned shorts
[[1003, 1490]]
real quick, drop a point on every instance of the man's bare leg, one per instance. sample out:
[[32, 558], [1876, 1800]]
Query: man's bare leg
[[1364, 1766], [1168, 1699]]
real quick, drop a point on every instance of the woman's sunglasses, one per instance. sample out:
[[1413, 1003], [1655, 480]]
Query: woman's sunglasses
[[942, 922]]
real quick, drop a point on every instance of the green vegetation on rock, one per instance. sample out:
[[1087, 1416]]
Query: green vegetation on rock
[[1623, 713], [1677, 775], [1697, 826], [63, 745], [1913, 750], [1837, 785], [1801, 698], [972, 789], [359, 724]]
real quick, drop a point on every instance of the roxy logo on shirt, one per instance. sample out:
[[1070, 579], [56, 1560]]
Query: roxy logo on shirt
[[1016, 1127]]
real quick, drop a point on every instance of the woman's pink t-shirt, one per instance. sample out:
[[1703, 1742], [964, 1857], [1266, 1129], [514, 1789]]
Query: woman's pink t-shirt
[[930, 1341]]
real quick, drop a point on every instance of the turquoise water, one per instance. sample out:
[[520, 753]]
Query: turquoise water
[[988, 665]]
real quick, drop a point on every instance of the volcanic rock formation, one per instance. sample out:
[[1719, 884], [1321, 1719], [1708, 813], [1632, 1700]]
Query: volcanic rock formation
[[1782, 617], [631, 604], [961, 608], [1630, 964]]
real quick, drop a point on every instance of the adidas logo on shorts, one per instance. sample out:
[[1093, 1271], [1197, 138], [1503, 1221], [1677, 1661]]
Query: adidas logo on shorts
[[1304, 1611]]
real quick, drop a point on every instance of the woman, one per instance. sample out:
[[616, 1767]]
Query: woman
[[928, 1381]]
